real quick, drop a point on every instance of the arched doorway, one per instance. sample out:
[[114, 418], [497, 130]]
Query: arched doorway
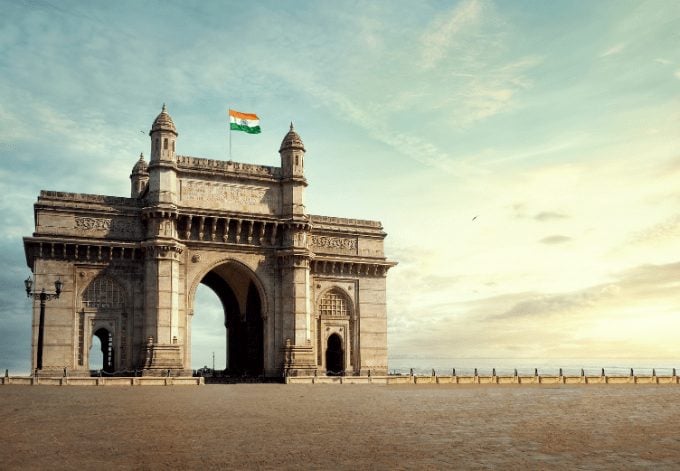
[[242, 306], [107, 351], [334, 356]]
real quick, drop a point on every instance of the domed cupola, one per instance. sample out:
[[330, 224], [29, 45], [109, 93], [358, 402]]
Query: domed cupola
[[163, 122], [292, 140], [292, 152], [139, 178], [141, 167], [163, 138]]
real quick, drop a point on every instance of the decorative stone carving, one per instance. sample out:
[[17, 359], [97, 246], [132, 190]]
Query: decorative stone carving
[[343, 245], [104, 293], [93, 224], [113, 226], [228, 196], [164, 251]]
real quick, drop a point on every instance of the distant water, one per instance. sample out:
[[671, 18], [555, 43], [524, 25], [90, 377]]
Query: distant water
[[526, 366]]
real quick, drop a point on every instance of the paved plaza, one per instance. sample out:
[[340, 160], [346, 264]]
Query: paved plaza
[[272, 426]]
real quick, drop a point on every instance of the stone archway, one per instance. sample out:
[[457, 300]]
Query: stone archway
[[242, 301]]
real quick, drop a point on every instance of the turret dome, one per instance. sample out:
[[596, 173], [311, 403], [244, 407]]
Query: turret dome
[[141, 166], [163, 122], [292, 140]]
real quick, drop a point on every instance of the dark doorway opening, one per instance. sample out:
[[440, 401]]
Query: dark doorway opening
[[106, 340], [335, 364]]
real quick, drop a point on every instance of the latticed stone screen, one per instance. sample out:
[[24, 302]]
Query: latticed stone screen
[[103, 293], [334, 304]]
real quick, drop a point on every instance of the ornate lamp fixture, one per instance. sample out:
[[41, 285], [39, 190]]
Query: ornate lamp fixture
[[43, 296]]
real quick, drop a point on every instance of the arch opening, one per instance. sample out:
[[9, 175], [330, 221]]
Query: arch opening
[[102, 351], [208, 329], [241, 304], [335, 364]]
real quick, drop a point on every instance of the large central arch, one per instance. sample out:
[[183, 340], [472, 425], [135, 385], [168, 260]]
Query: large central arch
[[242, 298]]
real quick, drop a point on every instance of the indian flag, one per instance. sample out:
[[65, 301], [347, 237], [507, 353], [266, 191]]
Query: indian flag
[[247, 122]]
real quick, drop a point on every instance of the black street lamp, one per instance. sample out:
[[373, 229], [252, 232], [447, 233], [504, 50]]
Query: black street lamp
[[43, 297]]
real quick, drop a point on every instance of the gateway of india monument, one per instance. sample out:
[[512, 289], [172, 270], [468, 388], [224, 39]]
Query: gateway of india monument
[[302, 294]]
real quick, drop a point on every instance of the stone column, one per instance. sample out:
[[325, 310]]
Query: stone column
[[162, 291], [294, 264]]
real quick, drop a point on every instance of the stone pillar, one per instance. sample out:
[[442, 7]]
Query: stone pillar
[[164, 345], [294, 264]]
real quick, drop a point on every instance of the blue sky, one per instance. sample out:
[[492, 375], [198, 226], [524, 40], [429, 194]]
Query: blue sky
[[557, 124]]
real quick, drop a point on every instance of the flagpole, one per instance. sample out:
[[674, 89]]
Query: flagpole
[[229, 134]]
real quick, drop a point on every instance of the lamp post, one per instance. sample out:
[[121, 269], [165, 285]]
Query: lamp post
[[43, 297]]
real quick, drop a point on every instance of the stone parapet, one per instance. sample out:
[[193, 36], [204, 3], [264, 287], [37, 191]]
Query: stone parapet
[[483, 380], [185, 162], [98, 381], [62, 196]]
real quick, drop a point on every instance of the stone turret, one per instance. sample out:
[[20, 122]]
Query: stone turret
[[292, 152], [163, 136], [139, 178], [163, 166]]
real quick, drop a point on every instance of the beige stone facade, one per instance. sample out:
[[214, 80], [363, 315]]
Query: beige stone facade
[[301, 293]]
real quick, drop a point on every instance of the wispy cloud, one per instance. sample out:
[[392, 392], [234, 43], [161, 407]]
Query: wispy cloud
[[664, 230], [594, 321], [444, 31], [544, 216], [555, 239], [492, 93], [614, 50]]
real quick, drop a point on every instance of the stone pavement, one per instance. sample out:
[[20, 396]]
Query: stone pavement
[[271, 426]]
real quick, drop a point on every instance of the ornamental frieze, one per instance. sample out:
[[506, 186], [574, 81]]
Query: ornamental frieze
[[245, 198], [334, 244], [114, 226]]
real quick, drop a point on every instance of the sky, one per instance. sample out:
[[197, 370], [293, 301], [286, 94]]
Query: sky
[[523, 157]]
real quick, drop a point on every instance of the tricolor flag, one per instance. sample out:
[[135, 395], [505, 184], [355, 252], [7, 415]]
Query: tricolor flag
[[247, 122]]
